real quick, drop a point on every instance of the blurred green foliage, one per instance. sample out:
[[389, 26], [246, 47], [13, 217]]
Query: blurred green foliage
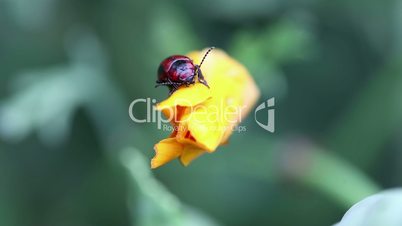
[[70, 155]]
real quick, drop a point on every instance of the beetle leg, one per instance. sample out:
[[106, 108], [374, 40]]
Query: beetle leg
[[189, 83], [174, 84], [162, 84], [200, 76], [172, 90], [168, 83]]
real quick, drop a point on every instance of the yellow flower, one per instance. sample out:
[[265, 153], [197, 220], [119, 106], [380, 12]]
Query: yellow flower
[[204, 118]]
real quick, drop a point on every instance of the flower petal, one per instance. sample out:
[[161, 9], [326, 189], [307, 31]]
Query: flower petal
[[186, 96], [190, 152], [174, 114], [165, 151], [206, 127]]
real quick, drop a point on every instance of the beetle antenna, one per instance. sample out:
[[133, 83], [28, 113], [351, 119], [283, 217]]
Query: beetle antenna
[[206, 54]]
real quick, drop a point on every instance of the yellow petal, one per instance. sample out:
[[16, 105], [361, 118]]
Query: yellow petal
[[184, 136], [186, 96], [206, 126], [165, 151], [190, 153], [175, 114], [198, 133]]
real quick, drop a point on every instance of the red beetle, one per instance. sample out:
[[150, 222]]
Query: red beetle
[[179, 70]]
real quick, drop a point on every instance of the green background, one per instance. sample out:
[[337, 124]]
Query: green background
[[70, 155]]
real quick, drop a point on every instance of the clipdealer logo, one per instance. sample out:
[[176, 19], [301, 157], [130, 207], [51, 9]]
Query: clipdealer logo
[[154, 116], [268, 106]]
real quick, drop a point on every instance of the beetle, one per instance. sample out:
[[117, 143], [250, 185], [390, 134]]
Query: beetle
[[178, 70]]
